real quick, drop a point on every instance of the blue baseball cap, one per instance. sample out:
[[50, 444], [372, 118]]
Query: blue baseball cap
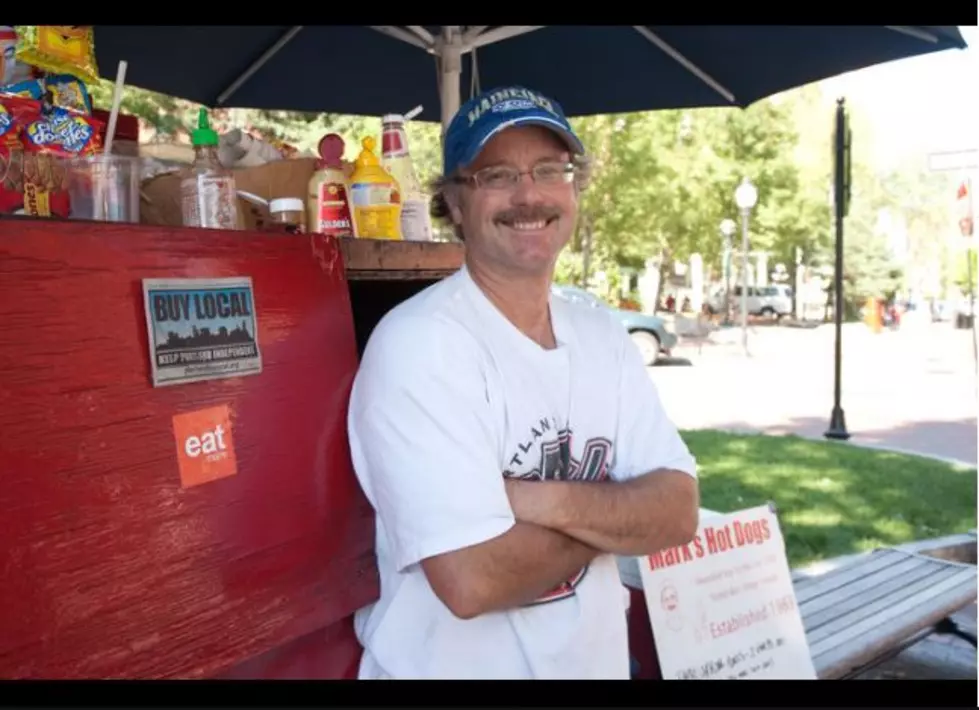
[[483, 116]]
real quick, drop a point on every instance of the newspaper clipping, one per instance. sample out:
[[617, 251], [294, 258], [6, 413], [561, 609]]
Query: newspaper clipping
[[201, 329]]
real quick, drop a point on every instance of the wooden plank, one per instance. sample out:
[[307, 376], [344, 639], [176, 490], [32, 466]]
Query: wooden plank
[[867, 641], [848, 610], [862, 590], [405, 275], [880, 606], [903, 608], [812, 587], [383, 259]]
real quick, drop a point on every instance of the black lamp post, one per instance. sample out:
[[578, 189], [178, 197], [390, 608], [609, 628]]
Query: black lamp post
[[841, 205]]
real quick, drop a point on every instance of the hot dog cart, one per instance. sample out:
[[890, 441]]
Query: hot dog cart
[[115, 566]]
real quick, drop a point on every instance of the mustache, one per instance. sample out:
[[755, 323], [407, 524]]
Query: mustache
[[528, 214]]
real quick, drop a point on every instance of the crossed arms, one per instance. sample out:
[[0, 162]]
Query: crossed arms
[[485, 544], [561, 526]]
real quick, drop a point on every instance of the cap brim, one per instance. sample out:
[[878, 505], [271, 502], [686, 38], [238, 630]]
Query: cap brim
[[574, 145]]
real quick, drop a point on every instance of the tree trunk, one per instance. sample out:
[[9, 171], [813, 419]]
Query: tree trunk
[[665, 261]]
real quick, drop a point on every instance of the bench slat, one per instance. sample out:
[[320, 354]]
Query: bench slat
[[882, 609], [907, 569], [807, 589], [859, 606], [868, 640], [908, 613]]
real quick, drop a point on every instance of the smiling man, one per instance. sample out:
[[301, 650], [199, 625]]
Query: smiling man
[[511, 443]]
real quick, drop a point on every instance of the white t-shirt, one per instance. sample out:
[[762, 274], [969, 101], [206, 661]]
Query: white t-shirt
[[449, 396]]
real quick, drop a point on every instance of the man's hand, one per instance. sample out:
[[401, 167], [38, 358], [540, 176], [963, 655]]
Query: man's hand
[[508, 571], [636, 517]]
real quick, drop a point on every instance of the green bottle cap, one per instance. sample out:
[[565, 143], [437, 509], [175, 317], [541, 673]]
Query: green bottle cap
[[204, 135]]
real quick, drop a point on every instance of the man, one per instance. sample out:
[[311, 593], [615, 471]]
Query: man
[[510, 442]]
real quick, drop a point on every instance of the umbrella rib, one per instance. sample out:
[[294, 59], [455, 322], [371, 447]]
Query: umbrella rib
[[473, 32], [498, 34], [258, 64], [403, 35], [425, 35], [685, 63], [914, 32]]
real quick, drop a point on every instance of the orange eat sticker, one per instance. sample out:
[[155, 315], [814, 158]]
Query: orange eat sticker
[[205, 449]]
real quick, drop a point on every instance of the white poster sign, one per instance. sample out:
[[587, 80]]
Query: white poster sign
[[723, 607]]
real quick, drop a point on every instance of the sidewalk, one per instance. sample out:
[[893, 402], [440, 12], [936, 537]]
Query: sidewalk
[[901, 391]]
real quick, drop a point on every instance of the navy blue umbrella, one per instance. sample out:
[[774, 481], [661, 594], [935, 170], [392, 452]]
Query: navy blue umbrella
[[588, 69]]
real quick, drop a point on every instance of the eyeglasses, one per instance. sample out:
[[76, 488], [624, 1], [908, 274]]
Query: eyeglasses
[[505, 177]]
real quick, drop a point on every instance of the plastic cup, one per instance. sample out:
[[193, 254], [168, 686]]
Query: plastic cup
[[104, 188]]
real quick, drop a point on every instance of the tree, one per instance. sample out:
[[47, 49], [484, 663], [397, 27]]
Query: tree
[[663, 181]]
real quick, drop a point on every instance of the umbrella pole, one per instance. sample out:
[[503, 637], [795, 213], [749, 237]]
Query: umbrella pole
[[450, 65]]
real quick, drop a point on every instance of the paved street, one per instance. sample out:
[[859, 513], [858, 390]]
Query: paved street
[[913, 389]]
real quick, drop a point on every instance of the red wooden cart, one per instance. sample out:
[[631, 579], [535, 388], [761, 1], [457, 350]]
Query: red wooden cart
[[112, 568]]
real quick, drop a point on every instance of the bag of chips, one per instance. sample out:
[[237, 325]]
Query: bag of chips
[[65, 91], [59, 49], [28, 89], [15, 114], [53, 136]]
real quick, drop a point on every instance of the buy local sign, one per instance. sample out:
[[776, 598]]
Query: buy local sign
[[723, 606]]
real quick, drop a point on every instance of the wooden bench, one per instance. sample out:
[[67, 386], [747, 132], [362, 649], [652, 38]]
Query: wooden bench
[[868, 610]]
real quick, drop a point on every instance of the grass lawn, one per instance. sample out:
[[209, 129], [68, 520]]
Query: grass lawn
[[833, 498]]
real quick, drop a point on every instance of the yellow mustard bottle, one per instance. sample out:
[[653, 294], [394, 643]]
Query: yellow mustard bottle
[[375, 197]]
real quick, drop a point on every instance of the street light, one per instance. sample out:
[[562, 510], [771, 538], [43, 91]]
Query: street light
[[745, 197], [841, 204], [728, 227]]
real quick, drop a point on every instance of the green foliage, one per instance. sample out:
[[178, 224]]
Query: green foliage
[[665, 180]]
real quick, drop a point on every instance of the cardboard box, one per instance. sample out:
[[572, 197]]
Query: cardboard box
[[160, 203], [126, 139]]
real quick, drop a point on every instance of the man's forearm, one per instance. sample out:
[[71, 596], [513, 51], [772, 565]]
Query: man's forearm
[[508, 571], [635, 517]]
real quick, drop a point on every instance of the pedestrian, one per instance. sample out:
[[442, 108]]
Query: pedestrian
[[511, 443]]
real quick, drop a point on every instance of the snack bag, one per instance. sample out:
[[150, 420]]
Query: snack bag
[[12, 71], [53, 136], [65, 91], [15, 113], [28, 89], [59, 49]]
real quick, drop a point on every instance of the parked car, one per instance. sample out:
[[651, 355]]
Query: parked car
[[772, 301], [649, 333]]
